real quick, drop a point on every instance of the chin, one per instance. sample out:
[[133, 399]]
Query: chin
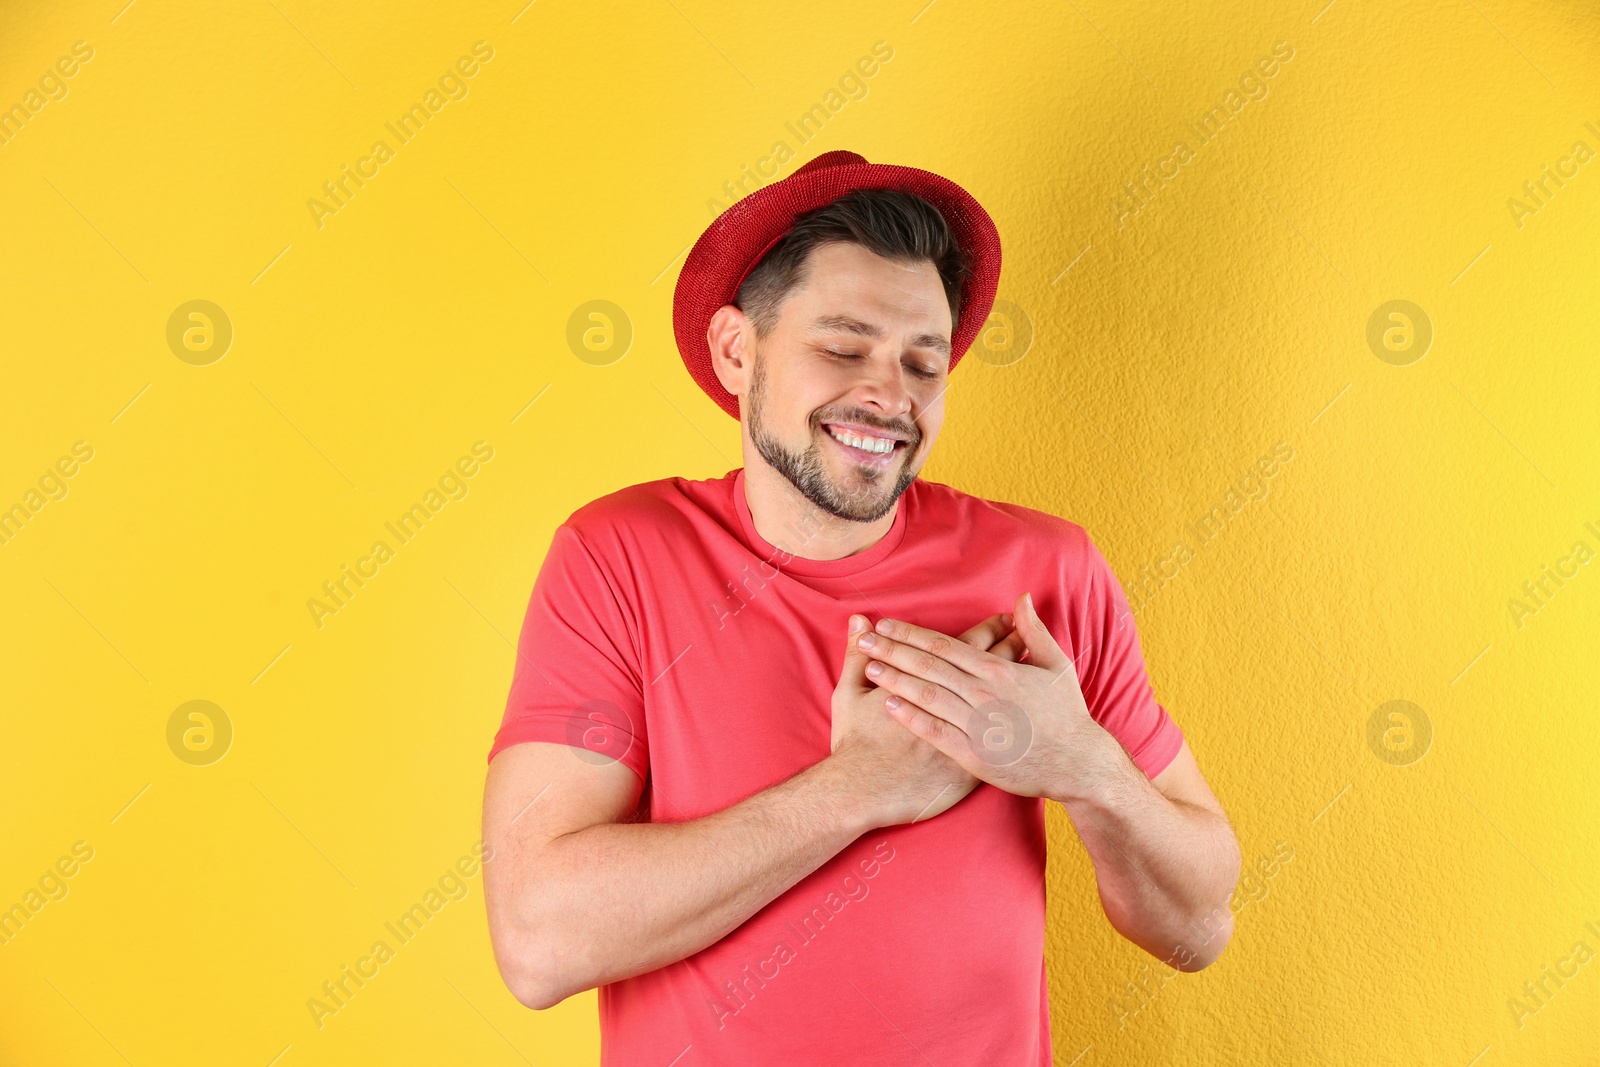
[[869, 490], [843, 481]]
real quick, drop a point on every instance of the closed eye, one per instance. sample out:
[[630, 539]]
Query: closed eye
[[920, 372]]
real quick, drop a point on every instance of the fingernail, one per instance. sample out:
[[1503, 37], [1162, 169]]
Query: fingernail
[[874, 669], [1027, 599], [866, 640], [1005, 620], [885, 625], [857, 624]]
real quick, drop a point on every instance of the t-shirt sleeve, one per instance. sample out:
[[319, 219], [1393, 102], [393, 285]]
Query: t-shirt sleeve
[[577, 680], [1111, 672]]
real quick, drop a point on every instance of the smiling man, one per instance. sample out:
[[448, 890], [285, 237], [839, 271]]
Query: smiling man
[[773, 767]]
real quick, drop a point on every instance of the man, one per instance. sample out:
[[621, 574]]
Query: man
[[772, 833]]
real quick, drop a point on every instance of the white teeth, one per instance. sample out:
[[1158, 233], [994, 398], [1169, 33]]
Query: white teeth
[[866, 444]]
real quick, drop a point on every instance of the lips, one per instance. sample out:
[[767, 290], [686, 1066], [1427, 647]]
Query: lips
[[866, 445]]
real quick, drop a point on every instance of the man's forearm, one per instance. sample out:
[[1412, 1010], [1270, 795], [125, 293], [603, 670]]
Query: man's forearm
[[619, 899], [1165, 868]]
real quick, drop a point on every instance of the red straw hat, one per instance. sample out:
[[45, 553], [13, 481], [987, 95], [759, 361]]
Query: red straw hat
[[733, 244]]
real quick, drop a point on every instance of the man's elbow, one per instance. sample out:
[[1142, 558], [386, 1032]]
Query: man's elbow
[[1202, 952], [1213, 930], [527, 965], [1208, 934], [531, 989], [536, 996]]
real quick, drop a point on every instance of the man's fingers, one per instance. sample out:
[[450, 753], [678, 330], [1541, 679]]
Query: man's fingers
[[997, 636], [955, 653], [986, 633], [853, 672], [949, 739], [926, 667], [927, 695], [1043, 649], [1011, 648]]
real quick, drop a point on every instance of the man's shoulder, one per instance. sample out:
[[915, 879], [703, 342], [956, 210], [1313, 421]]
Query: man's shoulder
[[661, 504], [945, 504]]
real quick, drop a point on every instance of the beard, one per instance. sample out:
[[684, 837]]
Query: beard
[[865, 501]]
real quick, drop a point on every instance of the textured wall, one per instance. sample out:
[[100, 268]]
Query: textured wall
[[1179, 304]]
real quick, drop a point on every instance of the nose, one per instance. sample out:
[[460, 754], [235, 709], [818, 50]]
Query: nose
[[883, 388]]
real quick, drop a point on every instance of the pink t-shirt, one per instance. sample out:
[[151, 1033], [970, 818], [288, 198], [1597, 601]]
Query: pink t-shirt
[[664, 632]]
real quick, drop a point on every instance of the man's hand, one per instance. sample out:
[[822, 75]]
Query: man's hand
[[1164, 855], [906, 778], [996, 636], [1023, 727]]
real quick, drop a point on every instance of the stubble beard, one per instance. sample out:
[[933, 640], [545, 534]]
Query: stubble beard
[[808, 473]]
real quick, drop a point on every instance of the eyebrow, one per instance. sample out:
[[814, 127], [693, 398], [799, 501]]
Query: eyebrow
[[846, 324]]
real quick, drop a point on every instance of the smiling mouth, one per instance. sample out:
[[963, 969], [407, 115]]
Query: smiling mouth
[[865, 448]]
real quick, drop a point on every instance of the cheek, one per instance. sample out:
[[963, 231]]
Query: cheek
[[798, 417], [805, 385], [930, 418]]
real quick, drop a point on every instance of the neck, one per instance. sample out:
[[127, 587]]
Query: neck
[[788, 521]]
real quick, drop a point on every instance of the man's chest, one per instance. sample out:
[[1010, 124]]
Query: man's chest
[[740, 665]]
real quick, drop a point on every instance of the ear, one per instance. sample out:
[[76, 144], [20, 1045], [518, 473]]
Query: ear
[[730, 358]]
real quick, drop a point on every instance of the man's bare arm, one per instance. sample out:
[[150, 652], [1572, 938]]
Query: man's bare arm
[[578, 896], [1164, 855], [1165, 859], [578, 899]]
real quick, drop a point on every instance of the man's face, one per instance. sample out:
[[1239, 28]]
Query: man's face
[[846, 394]]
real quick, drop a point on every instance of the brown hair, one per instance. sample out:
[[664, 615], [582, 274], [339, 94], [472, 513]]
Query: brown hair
[[896, 225]]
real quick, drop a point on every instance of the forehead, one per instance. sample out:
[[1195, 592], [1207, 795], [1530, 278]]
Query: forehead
[[848, 280]]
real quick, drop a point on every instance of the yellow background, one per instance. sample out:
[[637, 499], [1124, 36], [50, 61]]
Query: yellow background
[[1168, 354]]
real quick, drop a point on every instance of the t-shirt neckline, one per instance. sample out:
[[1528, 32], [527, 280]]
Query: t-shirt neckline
[[820, 568]]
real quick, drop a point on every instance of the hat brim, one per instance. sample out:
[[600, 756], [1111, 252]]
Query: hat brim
[[733, 244]]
